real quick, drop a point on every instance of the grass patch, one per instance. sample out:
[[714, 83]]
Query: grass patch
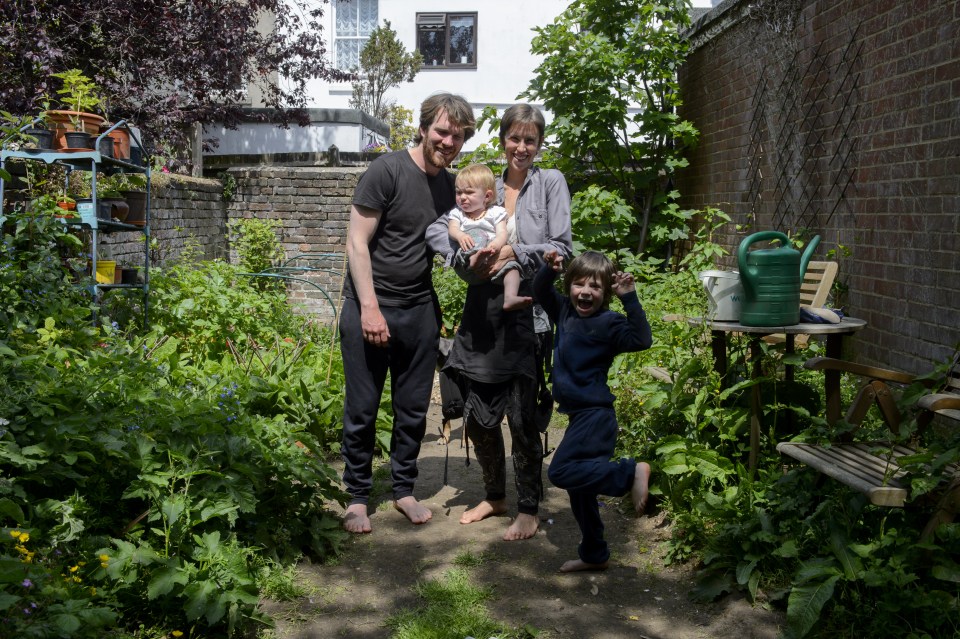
[[453, 608]]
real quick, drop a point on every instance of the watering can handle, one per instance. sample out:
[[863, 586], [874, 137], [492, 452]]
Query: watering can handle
[[747, 274]]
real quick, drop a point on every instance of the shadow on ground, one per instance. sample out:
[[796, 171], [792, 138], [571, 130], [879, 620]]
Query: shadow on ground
[[638, 597]]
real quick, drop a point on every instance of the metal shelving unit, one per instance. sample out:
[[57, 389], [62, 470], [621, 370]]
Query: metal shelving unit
[[92, 162]]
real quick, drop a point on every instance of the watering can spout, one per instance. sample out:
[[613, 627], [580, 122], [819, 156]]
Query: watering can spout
[[807, 254]]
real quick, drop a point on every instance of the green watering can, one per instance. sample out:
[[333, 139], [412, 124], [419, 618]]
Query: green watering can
[[771, 280]]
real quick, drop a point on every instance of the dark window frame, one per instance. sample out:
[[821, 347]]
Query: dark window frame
[[434, 19]]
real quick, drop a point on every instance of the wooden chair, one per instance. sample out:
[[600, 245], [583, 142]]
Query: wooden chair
[[814, 292], [872, 467]]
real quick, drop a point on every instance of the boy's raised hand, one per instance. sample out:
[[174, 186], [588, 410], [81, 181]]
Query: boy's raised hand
[[553, 259], [466, 242], [623, 283]]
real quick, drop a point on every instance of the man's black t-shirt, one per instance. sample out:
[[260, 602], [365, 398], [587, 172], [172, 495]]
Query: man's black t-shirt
[[409, 201]]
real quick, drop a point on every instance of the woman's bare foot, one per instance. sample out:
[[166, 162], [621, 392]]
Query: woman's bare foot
[[413, 510], [356, 520], [578, 565], [641, 487], [516, 303], [483, 510], [523, 527]]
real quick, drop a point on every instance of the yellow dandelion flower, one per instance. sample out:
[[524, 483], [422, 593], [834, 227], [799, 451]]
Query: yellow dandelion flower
[[104, 564], [93, 592], [176, 633], [104, 557], [76, 579], [74, 568], [14, 533], [24, 537]]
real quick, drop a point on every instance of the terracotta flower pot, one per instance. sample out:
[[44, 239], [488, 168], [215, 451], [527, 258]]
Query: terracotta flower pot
[[62, 121]]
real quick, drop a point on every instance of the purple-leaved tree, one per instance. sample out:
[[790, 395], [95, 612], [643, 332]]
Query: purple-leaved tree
[[165, 65]]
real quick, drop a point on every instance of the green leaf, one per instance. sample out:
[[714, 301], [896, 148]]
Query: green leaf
[[12, 510], [199, 595], [163, 581], [806, 603]]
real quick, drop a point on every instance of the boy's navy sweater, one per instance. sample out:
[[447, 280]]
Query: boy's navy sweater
[[585, 346]]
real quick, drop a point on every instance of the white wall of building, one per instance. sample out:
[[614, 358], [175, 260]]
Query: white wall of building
[[504, 62]]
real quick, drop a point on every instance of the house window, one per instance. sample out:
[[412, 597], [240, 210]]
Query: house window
[[355, 21], [447, 40]]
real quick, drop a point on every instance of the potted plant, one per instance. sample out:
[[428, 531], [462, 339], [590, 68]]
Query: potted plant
[[133, 187], [80, 98]]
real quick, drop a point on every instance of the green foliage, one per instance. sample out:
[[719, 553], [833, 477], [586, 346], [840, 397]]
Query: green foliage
[[384, 64], [159, 482], [451, 292], [600, 58], [402, 130], [78, 92], [453, 608], [816, 549], [255, 241], [40, 262], [208, 305]]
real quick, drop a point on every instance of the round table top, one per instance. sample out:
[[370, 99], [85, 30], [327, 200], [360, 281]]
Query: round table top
[[846, 325]]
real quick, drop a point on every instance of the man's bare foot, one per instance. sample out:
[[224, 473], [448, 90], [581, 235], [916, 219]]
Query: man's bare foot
[[413, 510], [641, 487], [356, 520], [516, 303], [523, 527], [483, 510], [578, 565]]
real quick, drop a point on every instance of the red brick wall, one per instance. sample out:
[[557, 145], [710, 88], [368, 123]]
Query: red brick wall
[[841, 117]]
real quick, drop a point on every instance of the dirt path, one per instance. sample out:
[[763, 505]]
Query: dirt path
[[638, 597]]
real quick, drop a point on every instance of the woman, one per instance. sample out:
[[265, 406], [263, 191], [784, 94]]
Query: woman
[[498, 356]]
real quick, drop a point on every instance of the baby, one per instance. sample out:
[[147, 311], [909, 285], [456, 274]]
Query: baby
[[479, 228]]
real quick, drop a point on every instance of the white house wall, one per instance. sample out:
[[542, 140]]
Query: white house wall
[[504, 63]]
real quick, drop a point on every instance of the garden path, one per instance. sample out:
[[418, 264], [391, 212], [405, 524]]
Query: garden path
[[637, 597]]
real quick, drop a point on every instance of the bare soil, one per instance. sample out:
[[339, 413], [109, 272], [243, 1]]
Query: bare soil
[[637, 597]]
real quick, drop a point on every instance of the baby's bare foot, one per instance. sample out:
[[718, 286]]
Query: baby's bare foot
[[413, 510], [640, 490], [579, 565], [356, 520], [523, 527], [483, 510]]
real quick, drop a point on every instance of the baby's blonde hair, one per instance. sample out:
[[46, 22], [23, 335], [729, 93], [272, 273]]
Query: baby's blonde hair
[[479, 176]]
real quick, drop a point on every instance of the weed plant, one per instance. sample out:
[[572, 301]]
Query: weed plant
[[155, 477], [787, 539]]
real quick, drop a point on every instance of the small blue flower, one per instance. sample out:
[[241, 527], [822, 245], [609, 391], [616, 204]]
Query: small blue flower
[[27, 583]]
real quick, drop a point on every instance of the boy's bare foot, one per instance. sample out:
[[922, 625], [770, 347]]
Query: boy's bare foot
[[413, 510], [641, 487], [578, 565], [523, 527], [483, 510], [516, 303], [356, 520]]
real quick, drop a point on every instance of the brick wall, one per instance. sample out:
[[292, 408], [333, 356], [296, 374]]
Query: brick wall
[[841, 117], [312, 204], [182, 210]]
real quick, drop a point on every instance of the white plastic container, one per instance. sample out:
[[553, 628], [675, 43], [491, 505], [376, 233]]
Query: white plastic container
[[724, 294]]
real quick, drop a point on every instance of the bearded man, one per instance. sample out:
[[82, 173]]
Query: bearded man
[[390, 320]]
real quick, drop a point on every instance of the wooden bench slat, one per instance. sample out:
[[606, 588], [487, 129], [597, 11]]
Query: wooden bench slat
[[852, 465]]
